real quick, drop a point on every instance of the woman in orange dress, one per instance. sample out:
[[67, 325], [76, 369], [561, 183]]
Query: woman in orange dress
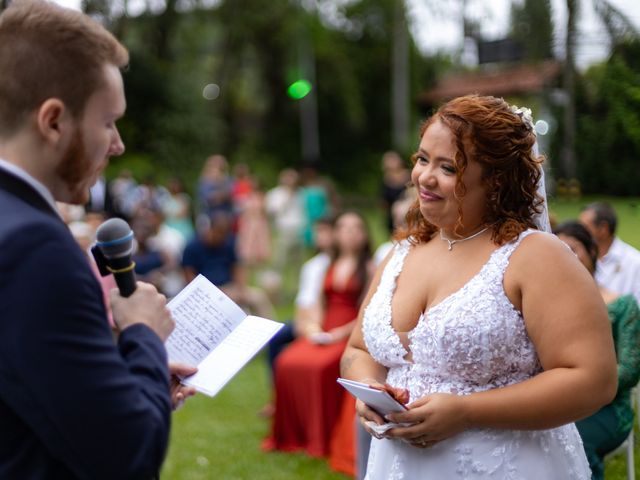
[[308, 398]]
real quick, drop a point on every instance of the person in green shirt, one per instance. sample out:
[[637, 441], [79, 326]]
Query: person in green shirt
[[606, 429]]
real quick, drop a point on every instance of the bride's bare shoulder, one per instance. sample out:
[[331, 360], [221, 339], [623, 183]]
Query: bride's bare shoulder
[[541, 251]]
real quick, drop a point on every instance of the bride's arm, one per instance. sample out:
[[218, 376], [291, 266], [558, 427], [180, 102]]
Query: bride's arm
[[567, 322], [356, 363]]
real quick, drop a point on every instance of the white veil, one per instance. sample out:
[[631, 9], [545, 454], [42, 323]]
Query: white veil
[[541, 219]]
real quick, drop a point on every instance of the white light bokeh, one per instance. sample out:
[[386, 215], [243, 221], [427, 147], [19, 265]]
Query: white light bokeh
[[541, 127], [211, 91]]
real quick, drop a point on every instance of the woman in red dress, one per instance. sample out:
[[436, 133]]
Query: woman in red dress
[[308, 398]]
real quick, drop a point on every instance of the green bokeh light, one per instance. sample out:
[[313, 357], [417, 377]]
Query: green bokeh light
[[299, 89]]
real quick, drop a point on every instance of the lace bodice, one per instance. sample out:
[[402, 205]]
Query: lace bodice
[[474, 340]]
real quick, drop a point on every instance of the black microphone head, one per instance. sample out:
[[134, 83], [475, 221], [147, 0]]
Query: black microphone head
[[115, 238]]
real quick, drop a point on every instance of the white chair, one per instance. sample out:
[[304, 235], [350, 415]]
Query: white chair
[[628, 445], [631, 466]]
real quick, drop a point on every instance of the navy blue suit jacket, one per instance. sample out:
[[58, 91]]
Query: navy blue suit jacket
[[73, 403]]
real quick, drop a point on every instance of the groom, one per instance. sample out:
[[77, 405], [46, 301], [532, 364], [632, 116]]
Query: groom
[[72, 403]]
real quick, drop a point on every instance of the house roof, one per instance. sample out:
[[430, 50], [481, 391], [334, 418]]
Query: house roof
[[512, 80]]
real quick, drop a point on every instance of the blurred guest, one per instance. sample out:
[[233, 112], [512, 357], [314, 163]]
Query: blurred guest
[[176, 208], [70, 213], [215, 187], [606, 429], [308, 302], [149, 261], [100, 199], [318, 197], [212, 253], [254, 235], [399, 213], [160, 247], [308, 399], [122, 188], [94, 219], [284, 207], [146, 195], [618, 266], [395, 177], [242, 188]]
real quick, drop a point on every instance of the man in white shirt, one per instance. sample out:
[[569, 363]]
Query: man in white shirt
[[618, 267]]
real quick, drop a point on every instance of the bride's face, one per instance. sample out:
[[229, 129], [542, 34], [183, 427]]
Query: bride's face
[[434, 175]]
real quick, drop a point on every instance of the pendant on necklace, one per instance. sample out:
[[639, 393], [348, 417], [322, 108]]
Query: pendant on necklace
[[459, 240]]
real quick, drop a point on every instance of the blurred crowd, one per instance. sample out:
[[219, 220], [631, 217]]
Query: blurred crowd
[[230, 229]]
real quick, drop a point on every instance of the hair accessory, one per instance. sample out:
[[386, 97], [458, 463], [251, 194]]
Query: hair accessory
[[525, 114]]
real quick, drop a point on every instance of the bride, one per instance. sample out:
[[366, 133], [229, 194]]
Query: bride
[[495, 329]]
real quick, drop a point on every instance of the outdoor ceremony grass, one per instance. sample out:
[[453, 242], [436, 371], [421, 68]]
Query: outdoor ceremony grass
[[219, 438]]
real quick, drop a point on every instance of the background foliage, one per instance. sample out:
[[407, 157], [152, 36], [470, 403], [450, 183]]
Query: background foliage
[[609, 126], [253, 49]]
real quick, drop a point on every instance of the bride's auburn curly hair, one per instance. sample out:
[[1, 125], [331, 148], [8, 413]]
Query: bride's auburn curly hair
[[487, 131]]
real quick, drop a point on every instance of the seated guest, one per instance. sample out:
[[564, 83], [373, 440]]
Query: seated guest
[[606, 429], [308, 301], [212, 253], [149, 261], [309, 297], [170, 243], [308, 399], [618, 262]]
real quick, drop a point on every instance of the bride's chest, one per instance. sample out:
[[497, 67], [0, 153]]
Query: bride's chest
[[476, 321], [426, 281]]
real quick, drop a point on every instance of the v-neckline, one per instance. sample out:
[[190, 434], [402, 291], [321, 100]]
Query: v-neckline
[[427, 311]]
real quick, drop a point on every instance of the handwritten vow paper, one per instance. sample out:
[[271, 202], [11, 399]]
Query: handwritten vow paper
[[215, 334]]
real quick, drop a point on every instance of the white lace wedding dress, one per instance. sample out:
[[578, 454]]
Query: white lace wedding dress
[[474, 340]]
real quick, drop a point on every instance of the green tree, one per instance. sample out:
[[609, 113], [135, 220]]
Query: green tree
[[252, 49], [532, 25], [609, 127], [619, 27]]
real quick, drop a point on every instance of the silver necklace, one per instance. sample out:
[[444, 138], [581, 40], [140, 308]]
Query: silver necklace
[[453, 242]]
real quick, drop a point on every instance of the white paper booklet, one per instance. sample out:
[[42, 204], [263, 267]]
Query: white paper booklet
[[213, 333]]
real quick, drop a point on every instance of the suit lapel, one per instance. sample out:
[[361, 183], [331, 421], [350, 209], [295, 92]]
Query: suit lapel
[[25, 192]]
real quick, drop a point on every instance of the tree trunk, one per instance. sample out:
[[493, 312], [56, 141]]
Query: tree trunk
[[309, 140], [400, 79], [568, 146]]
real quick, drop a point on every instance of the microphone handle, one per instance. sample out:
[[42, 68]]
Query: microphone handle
[[122, 269]]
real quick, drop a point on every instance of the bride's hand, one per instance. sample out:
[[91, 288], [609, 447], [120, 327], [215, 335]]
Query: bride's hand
[[434, 418], [367, 414]]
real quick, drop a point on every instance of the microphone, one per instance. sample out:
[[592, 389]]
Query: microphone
[[112, 252]]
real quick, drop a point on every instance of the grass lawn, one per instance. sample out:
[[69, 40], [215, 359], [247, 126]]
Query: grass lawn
[[219, 438]]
